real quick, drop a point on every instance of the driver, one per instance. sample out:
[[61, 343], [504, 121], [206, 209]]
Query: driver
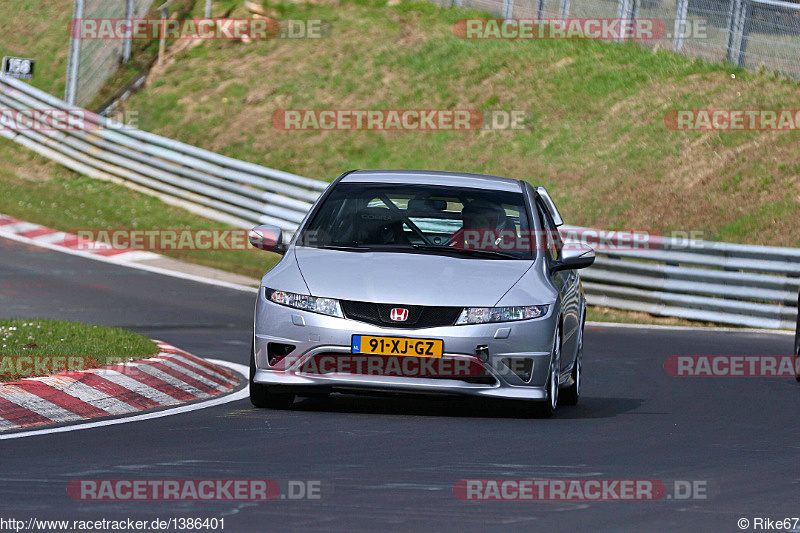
[[479, 217]]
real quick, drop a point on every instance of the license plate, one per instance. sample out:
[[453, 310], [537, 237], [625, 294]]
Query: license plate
[[371, 345]]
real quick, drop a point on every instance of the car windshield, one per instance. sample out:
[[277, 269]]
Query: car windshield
[[473, 223]]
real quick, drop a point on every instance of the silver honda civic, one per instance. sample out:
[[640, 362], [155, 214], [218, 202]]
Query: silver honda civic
[[422, 282]]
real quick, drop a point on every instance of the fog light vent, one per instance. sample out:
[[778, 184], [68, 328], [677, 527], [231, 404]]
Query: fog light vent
[[277, 351], [522, 367]]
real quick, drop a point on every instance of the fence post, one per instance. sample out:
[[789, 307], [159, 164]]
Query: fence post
[[680, 24], [126, 47], [733, 23], [635, 10], [74, 59], [622, 14], [508, 9], [540, 9], [208, 9], [162, 38], [746, 22], [563, 12]]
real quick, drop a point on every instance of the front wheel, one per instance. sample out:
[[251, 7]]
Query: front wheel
[[572, 394], [797, 353], [797, 342], [261, 396], [547, 408]]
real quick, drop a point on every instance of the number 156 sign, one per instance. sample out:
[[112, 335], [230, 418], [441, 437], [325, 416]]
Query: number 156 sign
[[18, 67]]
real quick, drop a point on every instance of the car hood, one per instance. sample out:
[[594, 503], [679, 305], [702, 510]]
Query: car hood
[[408, 278]]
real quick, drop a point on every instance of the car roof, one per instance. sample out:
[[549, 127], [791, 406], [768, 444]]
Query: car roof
[[434, 177]]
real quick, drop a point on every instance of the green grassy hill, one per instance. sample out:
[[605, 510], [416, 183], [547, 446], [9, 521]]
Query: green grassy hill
[[596, 110], [596, 136]]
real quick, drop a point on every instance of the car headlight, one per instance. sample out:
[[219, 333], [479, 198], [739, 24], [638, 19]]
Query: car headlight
[[485, 315], [323, 306]]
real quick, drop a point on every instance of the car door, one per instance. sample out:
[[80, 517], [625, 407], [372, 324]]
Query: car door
[[568, 285]]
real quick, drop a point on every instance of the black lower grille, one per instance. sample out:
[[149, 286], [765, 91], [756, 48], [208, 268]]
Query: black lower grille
[[419, 316]]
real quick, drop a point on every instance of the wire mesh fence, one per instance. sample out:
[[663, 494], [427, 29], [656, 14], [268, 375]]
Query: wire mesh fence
[[749, 33], [93, 61]]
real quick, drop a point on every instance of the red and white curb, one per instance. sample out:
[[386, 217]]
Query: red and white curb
[[171, 377], [13, 227]]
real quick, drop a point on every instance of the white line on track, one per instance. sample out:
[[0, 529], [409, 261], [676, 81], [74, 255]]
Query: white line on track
[[689, 328], [240, 395]]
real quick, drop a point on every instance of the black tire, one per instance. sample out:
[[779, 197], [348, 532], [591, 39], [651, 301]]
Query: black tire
[[261, 396], [547, 408], [572, 394], [797, 342], [321, 395]]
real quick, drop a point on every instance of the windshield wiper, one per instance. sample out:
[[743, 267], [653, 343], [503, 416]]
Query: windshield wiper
[[356, 248], [462, 251]]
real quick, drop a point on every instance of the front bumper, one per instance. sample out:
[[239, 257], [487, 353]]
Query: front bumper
[[314, 335]]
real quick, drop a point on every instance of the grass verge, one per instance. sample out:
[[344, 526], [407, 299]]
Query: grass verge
[[37, 347], [607, 314]]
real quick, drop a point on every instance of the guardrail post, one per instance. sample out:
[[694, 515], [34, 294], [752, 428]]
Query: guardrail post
[[746, 22], [126, 47], [680, 24], [74, 59], [734, 12]]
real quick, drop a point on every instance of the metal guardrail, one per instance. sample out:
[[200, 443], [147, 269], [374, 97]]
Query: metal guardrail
[[213, 185], [754, 286]]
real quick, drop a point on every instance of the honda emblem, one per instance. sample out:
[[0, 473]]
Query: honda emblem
[[399, 314]]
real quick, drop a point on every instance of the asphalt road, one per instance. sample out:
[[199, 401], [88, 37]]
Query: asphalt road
[[390, 463]]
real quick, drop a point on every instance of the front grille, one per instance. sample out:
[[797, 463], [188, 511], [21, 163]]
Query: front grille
[[419, 316]]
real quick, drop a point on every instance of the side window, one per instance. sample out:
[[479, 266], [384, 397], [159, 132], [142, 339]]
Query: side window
[[551, 239]]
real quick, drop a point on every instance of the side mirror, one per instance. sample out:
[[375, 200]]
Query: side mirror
[[269, 238], [573, 257]]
